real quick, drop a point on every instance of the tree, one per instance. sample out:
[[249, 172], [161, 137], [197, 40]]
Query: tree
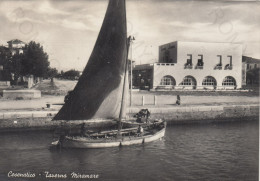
[[35, 60], [5, 58], [52, 72], [16, 66], [71, 74]]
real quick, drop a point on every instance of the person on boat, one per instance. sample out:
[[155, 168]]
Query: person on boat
[[138, 119], [178, 101], [147, 115], [140, 130], [139, 116], [143, 115]]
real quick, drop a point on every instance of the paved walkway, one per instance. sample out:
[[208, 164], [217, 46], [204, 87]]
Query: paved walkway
[[168, 100], [161, 101]]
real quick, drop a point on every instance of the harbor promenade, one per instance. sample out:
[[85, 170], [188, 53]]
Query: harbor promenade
[[195, 106], [139, 100], [34, 114]]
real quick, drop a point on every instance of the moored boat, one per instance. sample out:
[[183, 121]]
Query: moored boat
[[101, 92], [107, 139]]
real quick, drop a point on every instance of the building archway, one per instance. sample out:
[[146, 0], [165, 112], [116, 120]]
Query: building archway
[[209, 81], [168, 81], [189, 81], [229, 81]]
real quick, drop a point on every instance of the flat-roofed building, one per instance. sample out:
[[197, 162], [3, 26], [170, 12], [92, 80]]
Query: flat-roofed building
[[194, 65], [251, 63], [250, 68], [16, 46]]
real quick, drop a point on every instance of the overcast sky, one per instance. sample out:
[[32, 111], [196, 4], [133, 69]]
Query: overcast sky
[[68, 29]]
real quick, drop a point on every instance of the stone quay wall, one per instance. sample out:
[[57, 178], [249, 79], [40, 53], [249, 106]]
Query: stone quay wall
[[41, 120], [24, 94], [203, 114]]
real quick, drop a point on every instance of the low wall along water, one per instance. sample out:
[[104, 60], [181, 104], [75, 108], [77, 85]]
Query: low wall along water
[[173, 115], [25, 94]]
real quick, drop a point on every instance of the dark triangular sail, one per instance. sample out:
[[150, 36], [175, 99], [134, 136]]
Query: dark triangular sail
[[98, 93]]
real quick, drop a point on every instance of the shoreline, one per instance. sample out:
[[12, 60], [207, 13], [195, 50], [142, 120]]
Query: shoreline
[[41, 120]]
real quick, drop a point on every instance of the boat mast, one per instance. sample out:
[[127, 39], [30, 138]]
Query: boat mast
[[125, 86]]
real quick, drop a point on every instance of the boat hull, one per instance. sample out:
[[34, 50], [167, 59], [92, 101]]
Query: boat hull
[[70, 142]]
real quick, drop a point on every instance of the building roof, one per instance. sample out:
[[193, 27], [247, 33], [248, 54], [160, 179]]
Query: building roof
[[15, 41], [250, 60], [143, 66], [200, 42]]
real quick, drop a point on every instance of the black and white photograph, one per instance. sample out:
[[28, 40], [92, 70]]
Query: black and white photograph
[[136, 90]]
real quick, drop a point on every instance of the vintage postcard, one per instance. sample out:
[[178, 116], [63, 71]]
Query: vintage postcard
[[129, 90]]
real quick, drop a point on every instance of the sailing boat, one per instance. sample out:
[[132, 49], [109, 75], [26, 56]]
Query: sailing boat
[[101, 92]]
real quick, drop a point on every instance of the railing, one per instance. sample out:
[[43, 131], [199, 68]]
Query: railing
[[188, 66], [199, 67], [165, 64], [165, 87], [218, 67], [229, 67]]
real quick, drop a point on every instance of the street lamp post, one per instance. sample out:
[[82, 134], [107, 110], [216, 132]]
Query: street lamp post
[[131, 68]]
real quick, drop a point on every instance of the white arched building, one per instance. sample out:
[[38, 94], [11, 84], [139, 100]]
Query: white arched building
[[192, 65]]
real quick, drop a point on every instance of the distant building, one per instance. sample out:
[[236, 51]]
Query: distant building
[[192, 65], [143, 76], [249, 64], [16, 46]]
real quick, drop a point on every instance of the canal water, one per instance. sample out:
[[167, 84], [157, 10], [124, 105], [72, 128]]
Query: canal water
[[224, 151]]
